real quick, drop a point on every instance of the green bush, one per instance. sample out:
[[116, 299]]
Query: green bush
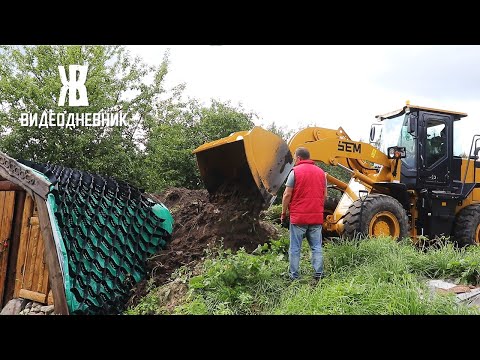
[[239, 283]]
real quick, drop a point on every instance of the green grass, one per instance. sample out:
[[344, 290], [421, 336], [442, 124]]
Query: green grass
[[273, 213], [379, 276], [370, 276], [367, 295]]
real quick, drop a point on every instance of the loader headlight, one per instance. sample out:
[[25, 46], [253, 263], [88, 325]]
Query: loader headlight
[[396, 152]]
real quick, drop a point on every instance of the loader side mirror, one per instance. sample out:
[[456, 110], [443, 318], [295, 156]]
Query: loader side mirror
[[411, 124], [374, 134], [475, 153]]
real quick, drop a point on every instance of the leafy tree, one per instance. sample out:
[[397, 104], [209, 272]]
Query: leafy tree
[[153, 151], [177, 130], [222, 119], [281, 131], [30, 82]]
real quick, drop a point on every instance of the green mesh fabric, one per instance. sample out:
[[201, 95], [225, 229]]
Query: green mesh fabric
[[108, 230]]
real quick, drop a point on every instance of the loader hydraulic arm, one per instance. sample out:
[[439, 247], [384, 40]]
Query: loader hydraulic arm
[[334, 147], [257, 162]]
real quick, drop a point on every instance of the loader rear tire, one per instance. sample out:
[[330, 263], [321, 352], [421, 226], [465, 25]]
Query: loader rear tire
[[328, 209], [376, 215], [466, 230]]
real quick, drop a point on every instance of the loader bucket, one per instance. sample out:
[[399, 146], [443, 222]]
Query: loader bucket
[[254, 163]]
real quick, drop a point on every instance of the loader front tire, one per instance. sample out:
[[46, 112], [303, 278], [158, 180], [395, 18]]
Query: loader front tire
[[466, 230], [376, 215]]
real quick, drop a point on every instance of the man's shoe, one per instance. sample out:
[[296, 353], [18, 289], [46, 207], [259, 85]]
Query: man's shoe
[[318, 277]]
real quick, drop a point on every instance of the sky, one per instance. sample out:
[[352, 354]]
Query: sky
[[328, 85]]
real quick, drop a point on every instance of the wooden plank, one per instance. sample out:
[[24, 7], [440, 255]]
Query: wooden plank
[[39, 268], [5, 233], [53, 265], [2, 203], [33, 295], [2, 207], [20, 198], [45, 275], [6, 185], [30, 258], [26, 260], [2, 234], [24, 235], [50, 298], [37, 261], [11, 170]]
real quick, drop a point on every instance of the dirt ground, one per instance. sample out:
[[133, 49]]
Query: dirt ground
[[203, 221]]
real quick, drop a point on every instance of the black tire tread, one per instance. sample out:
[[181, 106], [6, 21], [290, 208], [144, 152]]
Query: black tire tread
[[465, 225], [374, 203]]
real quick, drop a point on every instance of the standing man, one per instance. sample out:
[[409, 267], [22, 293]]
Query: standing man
[[303, 199]]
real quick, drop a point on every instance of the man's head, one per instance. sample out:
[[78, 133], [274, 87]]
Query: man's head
[[302, 154]]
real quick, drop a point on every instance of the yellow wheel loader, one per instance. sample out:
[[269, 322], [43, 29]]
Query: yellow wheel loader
[[409, 180]]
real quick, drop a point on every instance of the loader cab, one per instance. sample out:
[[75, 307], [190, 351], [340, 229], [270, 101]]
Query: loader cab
[[427, 135], [430, 167]]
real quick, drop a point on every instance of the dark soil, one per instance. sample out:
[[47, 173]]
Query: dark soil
[[204, 221]]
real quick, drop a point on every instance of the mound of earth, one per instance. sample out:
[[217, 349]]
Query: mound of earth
[[204, 221]]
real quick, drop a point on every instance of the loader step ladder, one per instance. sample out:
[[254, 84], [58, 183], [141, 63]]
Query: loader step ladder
[[467, 188]]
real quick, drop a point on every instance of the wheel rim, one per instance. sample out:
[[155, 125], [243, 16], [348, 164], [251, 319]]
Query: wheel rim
[[385, 223], [477, 235]]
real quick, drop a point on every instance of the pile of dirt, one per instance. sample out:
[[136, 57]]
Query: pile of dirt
[[204, 221]]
